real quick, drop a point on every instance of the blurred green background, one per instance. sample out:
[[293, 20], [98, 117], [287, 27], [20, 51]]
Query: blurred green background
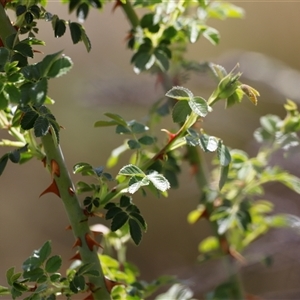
[[265, 43]]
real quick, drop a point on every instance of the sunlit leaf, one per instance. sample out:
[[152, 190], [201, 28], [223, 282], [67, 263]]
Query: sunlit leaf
[[131, 170], [180, 93]]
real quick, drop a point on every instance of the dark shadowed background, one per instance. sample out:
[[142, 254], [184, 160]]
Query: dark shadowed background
[[266, 45]]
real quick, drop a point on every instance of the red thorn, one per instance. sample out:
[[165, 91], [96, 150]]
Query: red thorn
[[4, 2], [76, 256], [110, 284], [205, 214], [88, 214], [91, 242], [69, 227], [91, 287], [117, 4], [52, 188], [32, 289], [89, 297], [224, 245], [71, 191], [96, 233], [44, 161], [55, 168], [160, 156], [77, 243], [194, 169], [171, 135], [128, 37]]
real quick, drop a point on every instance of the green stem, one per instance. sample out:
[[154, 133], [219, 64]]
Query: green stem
[[130, 13], [78, 220], [6, 29]]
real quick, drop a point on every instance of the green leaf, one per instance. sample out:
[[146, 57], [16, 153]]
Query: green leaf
[[14, 156], [82, 12], [31, 263], [194, 32], [3, 101], [122, 129], [199, 106], [136, 127], [10, 40], [20, 287], [209, 244], [135, 231], [41, 126], [24, 49], [140, 219], [55, 277], [196, 214], [118, 119], [142, 61], [159, 181], [33, 275], [35, 10], [180, 93], [3, 162], [75, 29], [84, 168], [212, 35], [146, 140], [20, 9], [4, 290], [133, 144], [41, 288], [47, 62], [119, 220], [243, 218], [112, 212], [4, 57], [125, 201], [181, 111], [9, 274], [77, 284], [208, 143], [86, 40], [38, 91], [44, 251], [53, 264], [15, 293], [84, 268], [147, 20], [105, 123], [269, 123], [60, 28], [73, 4], [29, 119], [162, 60], [212, 144], [224, 176], [25, 90], [135, 183], [60, 67], [12, 93], [96, 3], [225, 223], [28, 17], [131, 170], [223, 154]]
